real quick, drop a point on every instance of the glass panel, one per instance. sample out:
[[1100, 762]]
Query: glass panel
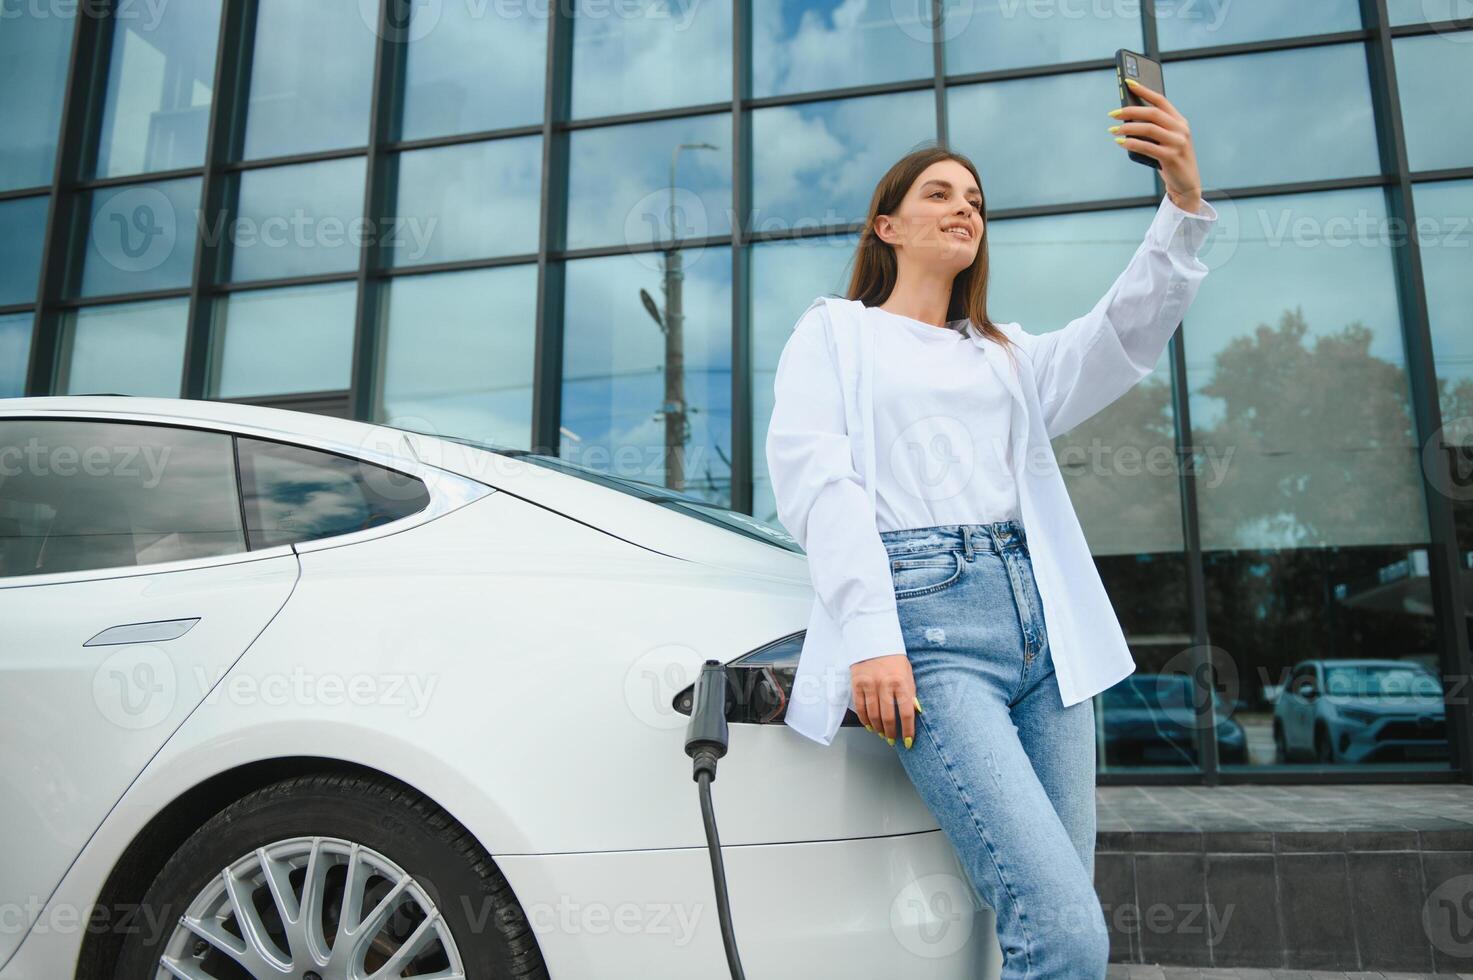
[[311, 77], [620, 184], [275, 341], [458, 354], [1063, 153], [1445, 233], [141, 237], [989, 35], [1425, 11], [786, 277], [458, 52], [1429, 70], [298, 221], [471, 201], [1445, 221], [159, 88], [805, 45], [841, 138], [1121, 473], [1194, 24], [130, 349], [639, 55], [623, 412], [1327, 119], [15, 351], [1313, 519], [120, 506], [291, 493], [35, 45], [24, 221]]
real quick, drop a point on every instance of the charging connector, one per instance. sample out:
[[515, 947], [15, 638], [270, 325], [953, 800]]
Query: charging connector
[[705, 743]]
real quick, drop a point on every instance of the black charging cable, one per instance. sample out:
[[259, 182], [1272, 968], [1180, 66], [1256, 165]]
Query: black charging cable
[[705, 743]]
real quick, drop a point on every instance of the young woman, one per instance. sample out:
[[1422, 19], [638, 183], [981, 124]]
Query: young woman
[[909, 451]]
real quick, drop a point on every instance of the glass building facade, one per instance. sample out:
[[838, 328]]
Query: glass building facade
[[588, 228]]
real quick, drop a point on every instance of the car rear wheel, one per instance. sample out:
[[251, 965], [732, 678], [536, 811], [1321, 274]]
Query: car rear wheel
[[331, 877]]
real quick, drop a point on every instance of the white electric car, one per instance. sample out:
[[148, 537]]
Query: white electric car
[[284, 695]]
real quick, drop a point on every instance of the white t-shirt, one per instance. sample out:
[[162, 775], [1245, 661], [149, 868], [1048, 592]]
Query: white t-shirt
[[942, 421]]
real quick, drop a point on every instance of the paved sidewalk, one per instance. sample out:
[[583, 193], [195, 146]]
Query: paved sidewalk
[[1120, 971]]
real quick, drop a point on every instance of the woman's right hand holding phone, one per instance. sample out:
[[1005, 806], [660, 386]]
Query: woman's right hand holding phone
[[885, 696]]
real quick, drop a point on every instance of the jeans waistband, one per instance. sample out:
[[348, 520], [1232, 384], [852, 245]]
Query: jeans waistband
[[995, 536]]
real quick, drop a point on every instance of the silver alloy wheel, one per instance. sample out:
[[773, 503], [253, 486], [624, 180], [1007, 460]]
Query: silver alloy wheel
[[319, 908]]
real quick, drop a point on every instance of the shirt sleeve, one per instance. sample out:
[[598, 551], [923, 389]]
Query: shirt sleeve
[[1095, 359], [820, 499]]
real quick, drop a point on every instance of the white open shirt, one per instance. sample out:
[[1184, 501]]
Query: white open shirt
[[821, 459]]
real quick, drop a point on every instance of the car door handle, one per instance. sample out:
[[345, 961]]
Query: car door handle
[[155, 632]]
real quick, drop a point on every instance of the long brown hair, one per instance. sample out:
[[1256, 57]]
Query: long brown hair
[[875, 265]]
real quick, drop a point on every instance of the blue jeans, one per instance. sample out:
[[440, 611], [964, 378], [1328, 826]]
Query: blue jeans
[[1007, 770]]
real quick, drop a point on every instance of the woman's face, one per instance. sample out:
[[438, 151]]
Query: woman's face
[[939, 223]]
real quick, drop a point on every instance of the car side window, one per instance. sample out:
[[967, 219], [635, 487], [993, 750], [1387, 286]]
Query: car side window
[[83, 494], [292, 493]]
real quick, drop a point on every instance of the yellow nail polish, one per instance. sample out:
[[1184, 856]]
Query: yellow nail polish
[[1115, 113], [1120, 139], [1131, 81], [889, 739], [1114, 129], [868, 728], [918, 703], [907, 741]]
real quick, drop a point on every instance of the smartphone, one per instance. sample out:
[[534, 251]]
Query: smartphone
[[1128, 64]]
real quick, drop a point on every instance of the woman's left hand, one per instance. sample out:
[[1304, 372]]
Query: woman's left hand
[[1162, 122]]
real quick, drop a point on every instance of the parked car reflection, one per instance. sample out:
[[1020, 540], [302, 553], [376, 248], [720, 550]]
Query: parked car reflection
[[1152, 719], [1365, 710]]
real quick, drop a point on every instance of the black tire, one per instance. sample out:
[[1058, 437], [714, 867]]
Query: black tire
[[1281, 748], [484, 918], [1324, 750]]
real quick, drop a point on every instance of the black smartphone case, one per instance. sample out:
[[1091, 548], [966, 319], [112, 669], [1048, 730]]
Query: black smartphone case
[[1149, 75]]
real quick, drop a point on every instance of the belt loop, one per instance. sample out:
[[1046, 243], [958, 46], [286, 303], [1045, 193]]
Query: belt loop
[[967, 541]]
